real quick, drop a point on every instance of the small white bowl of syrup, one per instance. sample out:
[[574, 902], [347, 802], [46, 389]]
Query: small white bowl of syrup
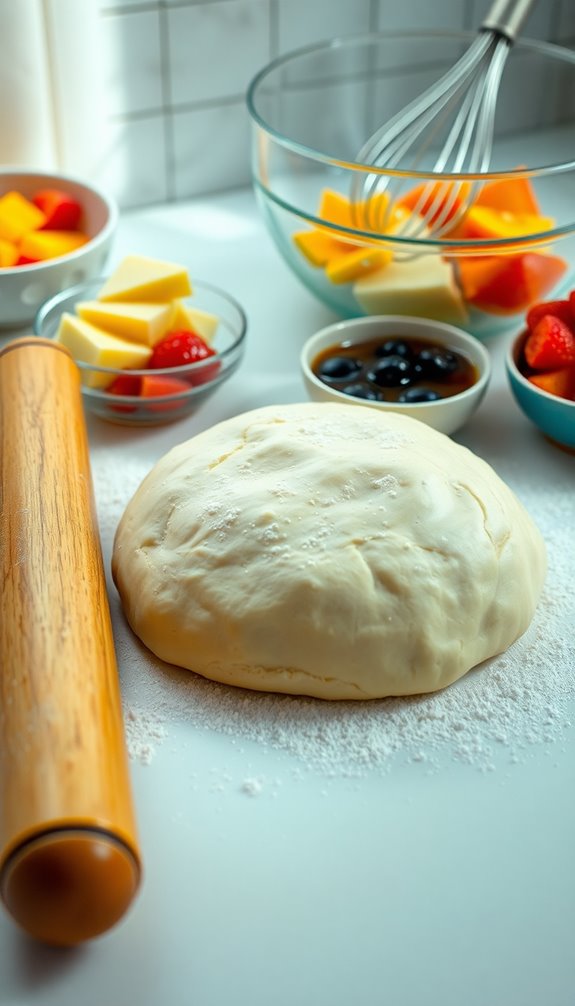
[[425, 369]]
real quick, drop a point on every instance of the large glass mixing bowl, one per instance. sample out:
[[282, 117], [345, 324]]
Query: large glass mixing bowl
[[513, 236]]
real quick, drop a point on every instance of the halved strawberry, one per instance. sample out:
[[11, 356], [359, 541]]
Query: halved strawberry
[[550, 345], [557, 382], [562, 309]]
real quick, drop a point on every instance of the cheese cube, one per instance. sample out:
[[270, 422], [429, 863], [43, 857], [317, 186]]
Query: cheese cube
[[202, 323], [18, 216], [422, 286], [145, 323], [91, 345], [51, 244], [145, 279]]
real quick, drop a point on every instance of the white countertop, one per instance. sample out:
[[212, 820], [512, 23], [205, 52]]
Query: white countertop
[[280, 868]]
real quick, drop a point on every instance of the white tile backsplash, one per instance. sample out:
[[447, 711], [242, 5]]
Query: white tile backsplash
[[175, 73], [214, 48], [131, 66], [302, 23]]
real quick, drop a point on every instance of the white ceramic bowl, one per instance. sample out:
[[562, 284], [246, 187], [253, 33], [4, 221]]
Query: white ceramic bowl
[[445, 414], [24, 288]]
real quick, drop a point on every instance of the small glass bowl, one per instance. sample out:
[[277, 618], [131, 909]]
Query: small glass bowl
[[203, 377]]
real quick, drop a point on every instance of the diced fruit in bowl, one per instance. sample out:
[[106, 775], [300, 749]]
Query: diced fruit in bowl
[[144, 362], [120, 331], [44, 227], [548, 354], [389, 279]]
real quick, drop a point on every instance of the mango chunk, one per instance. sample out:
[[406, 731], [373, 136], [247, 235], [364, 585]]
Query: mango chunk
[[138, 278], [18, 216], [43, 245], [352, 265], [92, 345], [424, 286], [8, 253], [203, 323], [144, 323], [319, 247]]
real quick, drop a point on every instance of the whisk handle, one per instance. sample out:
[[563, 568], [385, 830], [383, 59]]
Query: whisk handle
[[507, 17]]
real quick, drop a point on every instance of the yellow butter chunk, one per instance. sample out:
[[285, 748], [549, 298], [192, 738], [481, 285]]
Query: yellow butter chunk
[[422, 286], [91, 345], [145, 323], [50, 244], [202, 323], [138, 278], [18, 216]]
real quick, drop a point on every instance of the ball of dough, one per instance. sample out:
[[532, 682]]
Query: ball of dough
[[327, 550]]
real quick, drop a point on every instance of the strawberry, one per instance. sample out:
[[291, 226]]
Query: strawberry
[[177, 349], [557, 382], [562, 309], [550, 345]]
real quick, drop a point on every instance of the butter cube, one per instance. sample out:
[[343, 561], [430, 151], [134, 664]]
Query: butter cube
[[91, 345], [202, 323], [145, 279], [145, 323], [422, 286], [51, 244], [18, 216]]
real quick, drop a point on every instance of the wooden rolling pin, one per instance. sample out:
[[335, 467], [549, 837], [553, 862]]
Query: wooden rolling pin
[[69, 858]]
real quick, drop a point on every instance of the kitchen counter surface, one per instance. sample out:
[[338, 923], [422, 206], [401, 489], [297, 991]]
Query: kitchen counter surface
[[301, 853]]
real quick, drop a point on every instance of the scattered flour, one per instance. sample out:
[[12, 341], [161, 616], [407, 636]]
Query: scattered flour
[[523, 698]]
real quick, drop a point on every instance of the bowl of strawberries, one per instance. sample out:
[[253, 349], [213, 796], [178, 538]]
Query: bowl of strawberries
[[150, 344], [540, 366]]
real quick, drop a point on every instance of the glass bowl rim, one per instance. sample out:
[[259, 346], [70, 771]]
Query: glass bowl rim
[[224, 356], [358, 40]]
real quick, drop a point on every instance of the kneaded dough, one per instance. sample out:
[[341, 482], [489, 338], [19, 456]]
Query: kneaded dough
[[327, 550]]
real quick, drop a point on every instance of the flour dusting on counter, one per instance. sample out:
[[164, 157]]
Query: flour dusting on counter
[[520, 699]]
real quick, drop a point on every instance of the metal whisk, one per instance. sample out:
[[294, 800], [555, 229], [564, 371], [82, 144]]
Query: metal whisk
[[464, 101]]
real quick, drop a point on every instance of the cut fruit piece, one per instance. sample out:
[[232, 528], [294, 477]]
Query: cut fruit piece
[[421, 286], [42, 245], [514, 195], [558, 308], [8, 253], [145, 323], [350, 266], [550, 345], [138, 278], [319, 247], [18, 216], [444, 198], [63, 212], [91, 345], [556, 382], [202, 322], [508, 284], [481, 223]]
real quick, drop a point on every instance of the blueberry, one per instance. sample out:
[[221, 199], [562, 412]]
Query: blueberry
[[392, 372], [338, 368], [435, 363], [361, 391], [394, 347], [412, 395]]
